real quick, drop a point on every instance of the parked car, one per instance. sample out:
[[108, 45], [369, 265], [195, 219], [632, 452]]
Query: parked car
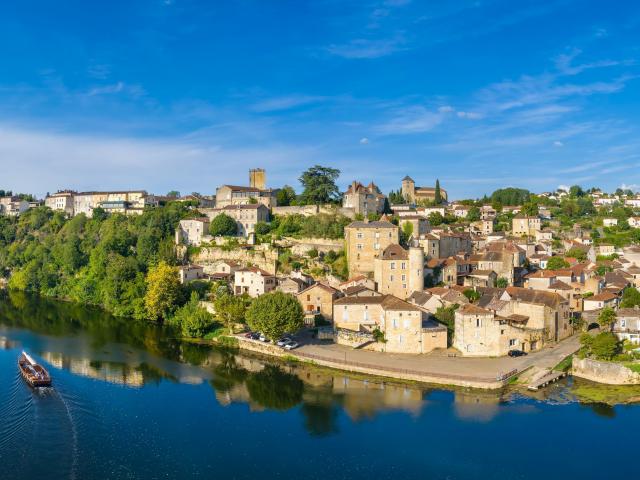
[[283, 341], [516, 353], [262, 338], [252, 335], [291, 345]]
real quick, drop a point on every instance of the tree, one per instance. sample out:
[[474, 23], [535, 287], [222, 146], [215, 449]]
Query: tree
[[437, 196], [320, 185], [557, 263], [223, 226], [230, 309], [530, 209], [576, 191], [173, 194], [262, 228], [436, 219], [577, 253], [447, 316], [630, 298], [502, 282], [471, 294], [193, 320], [275, 314], [285, 196], [473, 215], [606, 317], [163, 292], [510, 196], [605, 346]]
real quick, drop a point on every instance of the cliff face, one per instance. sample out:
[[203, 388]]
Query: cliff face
[[604, 372]]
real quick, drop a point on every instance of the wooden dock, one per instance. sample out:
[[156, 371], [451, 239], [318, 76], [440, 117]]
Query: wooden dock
[[545, 380]]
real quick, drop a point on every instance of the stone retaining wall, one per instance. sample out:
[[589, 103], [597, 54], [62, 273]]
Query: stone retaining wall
[[604, 372], [378, 371], [264, 259]]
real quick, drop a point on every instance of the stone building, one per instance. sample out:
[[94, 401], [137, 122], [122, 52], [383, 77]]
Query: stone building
[[253, 281], [364, 200], [401, 323], [62, 201], [245, 215], [318, 299], [399, 272], [126, 202], [13, 206], [241, 195], [413, 194], [525, 225], [627, 324], [365, 241], [192, 231]]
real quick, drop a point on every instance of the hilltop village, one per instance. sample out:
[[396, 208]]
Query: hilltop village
[[411, 272]]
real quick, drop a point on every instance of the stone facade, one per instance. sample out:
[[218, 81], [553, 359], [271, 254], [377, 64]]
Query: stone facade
[[245, 215], [525, 225], [604, 372], [364, 199], [365, 241], [399, 272], [318, 299], [192, 231], [413, 194], [253, 281]]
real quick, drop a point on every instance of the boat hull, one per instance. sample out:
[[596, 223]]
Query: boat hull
[[35, 375]]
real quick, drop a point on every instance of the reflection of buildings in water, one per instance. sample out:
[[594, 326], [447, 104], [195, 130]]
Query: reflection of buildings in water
[[365, 398], [6, 344], [480, 406], [118, 373]]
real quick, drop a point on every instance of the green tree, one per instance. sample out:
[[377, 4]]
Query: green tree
[[437, 196], [436, 219], [275, 314], [510, 196], [576, 191], [606, 317], [163, 292], [447, 316], [605, 346], [262, 228], [286, 196], [230, 309], [193, 320], [530, 209], [502, 282], [471, 294], [557, 263], [473, 215], [630, 298], [223, 226], [577, 253], [320, 185]]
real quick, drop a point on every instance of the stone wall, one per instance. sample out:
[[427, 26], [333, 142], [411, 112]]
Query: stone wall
[[262, 258], [300, 246], [604, 372]]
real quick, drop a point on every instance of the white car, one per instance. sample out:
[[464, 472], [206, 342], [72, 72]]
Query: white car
[[262, 338], [283, 341], [291, 345]]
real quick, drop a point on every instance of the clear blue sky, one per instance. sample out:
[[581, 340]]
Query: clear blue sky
[[186, 95]]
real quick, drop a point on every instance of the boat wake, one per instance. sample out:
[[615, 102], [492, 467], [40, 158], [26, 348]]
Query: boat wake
[[15, 412]]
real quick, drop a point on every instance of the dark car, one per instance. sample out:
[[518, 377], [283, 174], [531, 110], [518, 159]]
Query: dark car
[[516, 353]]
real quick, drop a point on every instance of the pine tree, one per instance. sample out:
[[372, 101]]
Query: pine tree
[[438, 195]]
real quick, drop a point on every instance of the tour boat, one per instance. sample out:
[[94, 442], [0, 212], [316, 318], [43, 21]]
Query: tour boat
[[34, 374]]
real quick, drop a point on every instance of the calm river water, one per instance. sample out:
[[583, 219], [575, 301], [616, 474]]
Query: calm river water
[[130, 401]]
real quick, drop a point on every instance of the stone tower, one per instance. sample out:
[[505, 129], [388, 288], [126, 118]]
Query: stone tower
[[409, 189], [416, 269], [258, 178]]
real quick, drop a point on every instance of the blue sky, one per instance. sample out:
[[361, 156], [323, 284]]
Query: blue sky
[[187, 95]]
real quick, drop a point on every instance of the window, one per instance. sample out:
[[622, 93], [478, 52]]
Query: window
[[406, 324], [399, 338], [512, 342], [404, 277], [308, 298], [395, 323], [359, 246], [623, 323], [393, 265], [478, 322], [359, 235], [403, 265], [391, 278], [376, 246]]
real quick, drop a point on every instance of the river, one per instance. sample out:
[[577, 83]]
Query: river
[[130, 401]]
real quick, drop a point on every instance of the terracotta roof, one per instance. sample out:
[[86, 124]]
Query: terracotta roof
[[388, 302], [248, 206], [257, 270], [420, 297], [395, 252], [357, 289], [628, 312], [550, 299], [470, 309], [378, 224], [559, 285], [602, 297], [319, 285]]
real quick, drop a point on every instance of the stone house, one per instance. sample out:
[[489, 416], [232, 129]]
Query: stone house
[[609, 222], [290, 285], [253, 281], [481, 278], [192, 231], [627, 324], [525, 225], [419, 225], [359, 280], [13, 206], [399, 272], [480, 332], [599, 301], [400, 322], [364, 200], [413, 194], [365, 241], [62, 201], [188, 273], [256, 192], [318, 299], [245, 215]]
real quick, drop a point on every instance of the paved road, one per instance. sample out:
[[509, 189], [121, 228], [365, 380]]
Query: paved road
[[442, 364]]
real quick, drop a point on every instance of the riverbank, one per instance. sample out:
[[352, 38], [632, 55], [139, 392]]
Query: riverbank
[[436, 368]]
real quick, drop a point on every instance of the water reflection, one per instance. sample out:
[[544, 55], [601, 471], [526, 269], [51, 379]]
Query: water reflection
[[90, 343]]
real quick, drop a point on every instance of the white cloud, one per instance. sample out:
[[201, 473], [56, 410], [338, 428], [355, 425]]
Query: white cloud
[[446, 109], [633, 187], [558, 143], [364, 141], [285, 102], [470, 115], [361, 48], [414, 119], [566, 188]]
